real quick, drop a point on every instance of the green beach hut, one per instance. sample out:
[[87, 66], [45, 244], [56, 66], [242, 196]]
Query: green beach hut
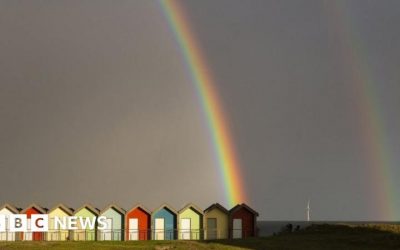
[[190, 223], [86, 223]]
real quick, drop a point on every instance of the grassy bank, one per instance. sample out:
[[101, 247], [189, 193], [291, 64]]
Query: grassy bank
[[372, 236]]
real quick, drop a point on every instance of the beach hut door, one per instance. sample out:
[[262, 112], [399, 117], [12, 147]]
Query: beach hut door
[[237, 228], [211, 228], [7, 236], [28, 233], [159, 229], [134, 229], [108, 231], [185, 229]]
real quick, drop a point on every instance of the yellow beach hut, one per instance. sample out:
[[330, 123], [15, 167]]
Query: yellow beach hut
[[58, 223], [216, 222]]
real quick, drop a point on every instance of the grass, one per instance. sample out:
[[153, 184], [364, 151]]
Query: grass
[[368, 236]]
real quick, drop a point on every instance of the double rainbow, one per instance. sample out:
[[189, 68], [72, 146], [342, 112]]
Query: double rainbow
[[372, 124], [201, 76]]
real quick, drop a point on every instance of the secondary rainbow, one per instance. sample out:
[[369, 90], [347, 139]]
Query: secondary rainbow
[[373, 132], [201, 76]]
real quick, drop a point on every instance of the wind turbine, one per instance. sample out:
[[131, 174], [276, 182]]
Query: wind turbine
[[308, 210]]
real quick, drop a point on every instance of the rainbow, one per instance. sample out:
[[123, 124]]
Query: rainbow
[[372, 126], [201, 76]]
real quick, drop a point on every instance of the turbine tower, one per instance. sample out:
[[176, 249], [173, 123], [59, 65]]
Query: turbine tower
[[308, 210]]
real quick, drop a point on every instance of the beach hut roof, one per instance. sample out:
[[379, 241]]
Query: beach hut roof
[[90, 208], [10, 207], [115, 207], [191, 206], [141, 207], [167, 207], [35, 206], [243, 205], [218, 206], [64, 208]]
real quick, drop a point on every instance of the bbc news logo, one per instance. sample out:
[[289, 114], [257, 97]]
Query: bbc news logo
[[40, 223]]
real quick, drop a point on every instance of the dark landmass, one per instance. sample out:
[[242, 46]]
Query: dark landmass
[[318, 236]]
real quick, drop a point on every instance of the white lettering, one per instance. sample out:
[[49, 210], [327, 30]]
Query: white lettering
[[18, 223], [102, 220], [72, 221], [60, 224], [87, 223], [39, 222]]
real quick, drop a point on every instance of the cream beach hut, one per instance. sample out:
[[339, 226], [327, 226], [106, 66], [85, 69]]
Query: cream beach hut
[[7, 210]]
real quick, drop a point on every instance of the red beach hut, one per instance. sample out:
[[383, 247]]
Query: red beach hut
[[137, 224], [33, 209], [242, 222]]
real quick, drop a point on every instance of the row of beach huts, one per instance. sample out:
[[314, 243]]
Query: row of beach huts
[[138, 223]]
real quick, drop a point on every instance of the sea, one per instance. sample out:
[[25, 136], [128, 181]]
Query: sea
[[268, 228]]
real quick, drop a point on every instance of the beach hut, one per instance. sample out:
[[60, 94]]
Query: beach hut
[[61, 212], [163, 222], [216, 222], [7, 210], [29, 211], [190, 223], [137, 223], [242, 221], [86, 223], [114, 223]]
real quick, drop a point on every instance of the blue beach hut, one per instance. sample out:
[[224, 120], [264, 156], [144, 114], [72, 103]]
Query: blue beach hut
[[163, 222]]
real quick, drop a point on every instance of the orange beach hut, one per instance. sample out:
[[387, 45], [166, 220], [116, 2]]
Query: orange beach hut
[[29, 211], [138, 224]]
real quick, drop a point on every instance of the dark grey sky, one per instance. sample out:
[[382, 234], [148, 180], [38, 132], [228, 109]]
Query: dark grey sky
[[95, 101]]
